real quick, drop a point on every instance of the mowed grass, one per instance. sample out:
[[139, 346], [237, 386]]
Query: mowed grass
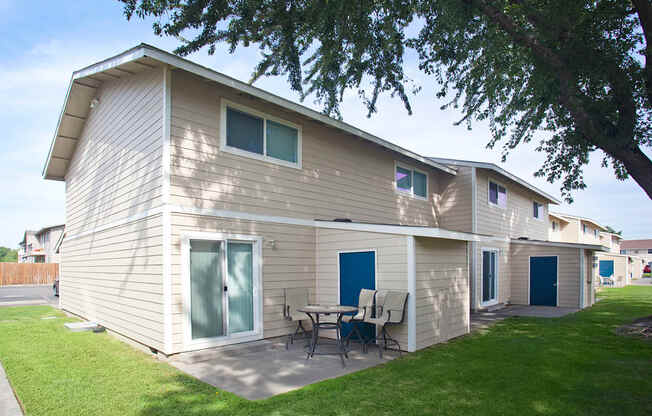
[[575, 365]]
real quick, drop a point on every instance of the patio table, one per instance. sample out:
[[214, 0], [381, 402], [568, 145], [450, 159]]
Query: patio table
[[314, 312]]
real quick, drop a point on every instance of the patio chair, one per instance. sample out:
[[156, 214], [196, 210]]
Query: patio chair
[[295, 298], [606, 281], [365, 309], [390, 310]]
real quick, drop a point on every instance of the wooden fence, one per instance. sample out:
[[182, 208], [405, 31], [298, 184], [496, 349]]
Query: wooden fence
[[28, 273]]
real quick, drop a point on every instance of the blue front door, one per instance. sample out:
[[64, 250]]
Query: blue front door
[[606, 268], [543, 281], [357, 271]]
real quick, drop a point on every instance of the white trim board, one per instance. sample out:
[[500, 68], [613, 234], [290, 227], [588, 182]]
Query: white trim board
[[412, 291], [560, 244], [417, 231], [166, 216]]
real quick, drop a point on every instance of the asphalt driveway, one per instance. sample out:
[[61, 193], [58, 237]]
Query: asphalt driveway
[[27, 295]]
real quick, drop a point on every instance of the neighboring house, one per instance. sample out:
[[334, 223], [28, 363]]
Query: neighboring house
[[611, 263], [40, 246], [640, 248], [193, 200], [486, 199]]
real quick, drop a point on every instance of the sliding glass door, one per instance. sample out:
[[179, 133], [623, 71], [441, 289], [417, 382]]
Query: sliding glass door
[[489, 276], [222, 288]]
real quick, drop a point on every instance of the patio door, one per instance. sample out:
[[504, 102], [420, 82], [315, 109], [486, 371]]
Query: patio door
[[224, 296], [357, 272], [489, 277]]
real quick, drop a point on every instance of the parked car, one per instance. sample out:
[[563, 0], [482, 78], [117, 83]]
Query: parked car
[[55, 287]]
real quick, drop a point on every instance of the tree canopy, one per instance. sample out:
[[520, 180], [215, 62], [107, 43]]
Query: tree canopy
[[579, 71], [8, 255]]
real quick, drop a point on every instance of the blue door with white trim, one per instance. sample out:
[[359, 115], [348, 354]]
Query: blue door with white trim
[[543, 281], [606, 268], [357, 272]]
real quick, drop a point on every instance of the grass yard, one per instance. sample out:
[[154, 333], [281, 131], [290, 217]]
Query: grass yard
[[570, 366]]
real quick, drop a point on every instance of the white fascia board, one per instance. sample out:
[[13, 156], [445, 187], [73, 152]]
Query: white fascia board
[[577, 217], [207, 73], [129, 55], [56, 131], [499, 170], [560, 244]]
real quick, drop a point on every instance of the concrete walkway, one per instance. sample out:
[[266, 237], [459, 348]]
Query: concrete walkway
[[265, 368], [644, 281], [8, 404], [482, 320]]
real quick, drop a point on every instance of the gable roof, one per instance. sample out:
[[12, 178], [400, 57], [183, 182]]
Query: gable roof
[[627, 244], [577, 217], [559, 217], [84, 83], [498, 170]]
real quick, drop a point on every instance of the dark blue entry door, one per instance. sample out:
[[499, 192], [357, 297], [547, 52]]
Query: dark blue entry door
[[606, 268], [543, 281], [357, 271]]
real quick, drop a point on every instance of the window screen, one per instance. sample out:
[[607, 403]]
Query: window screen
[[281, 141], [244, 131], [497, 194], [420, 184]]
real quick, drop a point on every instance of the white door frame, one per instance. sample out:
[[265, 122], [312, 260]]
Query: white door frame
[[494, 301], [256, 241]]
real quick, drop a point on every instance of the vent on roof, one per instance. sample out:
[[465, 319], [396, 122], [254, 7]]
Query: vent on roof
[[523, 238], [342, 220]]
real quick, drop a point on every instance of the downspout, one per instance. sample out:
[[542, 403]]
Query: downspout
[[582, 277], [474, 245]]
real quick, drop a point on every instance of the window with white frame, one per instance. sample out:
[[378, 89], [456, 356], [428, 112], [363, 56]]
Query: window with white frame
[[411, 181], [251, 133], [497, 195], [537, 210]]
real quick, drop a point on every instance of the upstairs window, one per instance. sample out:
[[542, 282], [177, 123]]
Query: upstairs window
[[649, 251], [584, 228], [596, 233], [554, 226], [497, 195], [253, 134], [623, 251], [411, 181], [537, 210]]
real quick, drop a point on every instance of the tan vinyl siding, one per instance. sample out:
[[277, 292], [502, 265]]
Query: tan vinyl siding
[[589, 237], [114, 277], [442, 290], [455, 203], [504, 273], [516, 220], [290, 264], [341, 176], [391, 265], [115, 172], [568, 276]]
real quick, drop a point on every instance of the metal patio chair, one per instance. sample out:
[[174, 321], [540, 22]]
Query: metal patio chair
[[295, 298], [390, 310], [365, 310]]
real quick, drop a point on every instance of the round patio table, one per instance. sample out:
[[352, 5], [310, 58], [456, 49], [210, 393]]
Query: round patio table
[[314, 312]]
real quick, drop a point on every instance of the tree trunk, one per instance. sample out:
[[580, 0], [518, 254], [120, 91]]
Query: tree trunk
[[638, 165]]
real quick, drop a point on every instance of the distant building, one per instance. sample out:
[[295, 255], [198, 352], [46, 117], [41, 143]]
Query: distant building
[[640, 248], [40, 246]]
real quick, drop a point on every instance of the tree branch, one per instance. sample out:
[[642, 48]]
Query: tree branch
[[644, 10]]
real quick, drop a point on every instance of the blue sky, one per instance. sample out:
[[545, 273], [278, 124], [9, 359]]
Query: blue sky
[[42, 43]]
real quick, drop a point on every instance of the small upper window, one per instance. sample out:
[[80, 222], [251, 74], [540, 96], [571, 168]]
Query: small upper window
[[596, 233], [554, 226], [537, 210], [623, 251], [584, 228], [256, 135], [649, 251], [411, 181], [497, 195]]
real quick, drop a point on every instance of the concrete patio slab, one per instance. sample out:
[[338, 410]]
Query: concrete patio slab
[[482, 320], [265, 368]]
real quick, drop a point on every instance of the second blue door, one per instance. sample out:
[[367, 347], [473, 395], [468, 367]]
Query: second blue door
[[357, 272], [543, 281]]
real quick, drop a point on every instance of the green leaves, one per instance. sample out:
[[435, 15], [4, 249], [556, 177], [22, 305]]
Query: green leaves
[[573, 70]]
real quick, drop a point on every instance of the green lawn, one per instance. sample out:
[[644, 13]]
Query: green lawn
[[570, 366]]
